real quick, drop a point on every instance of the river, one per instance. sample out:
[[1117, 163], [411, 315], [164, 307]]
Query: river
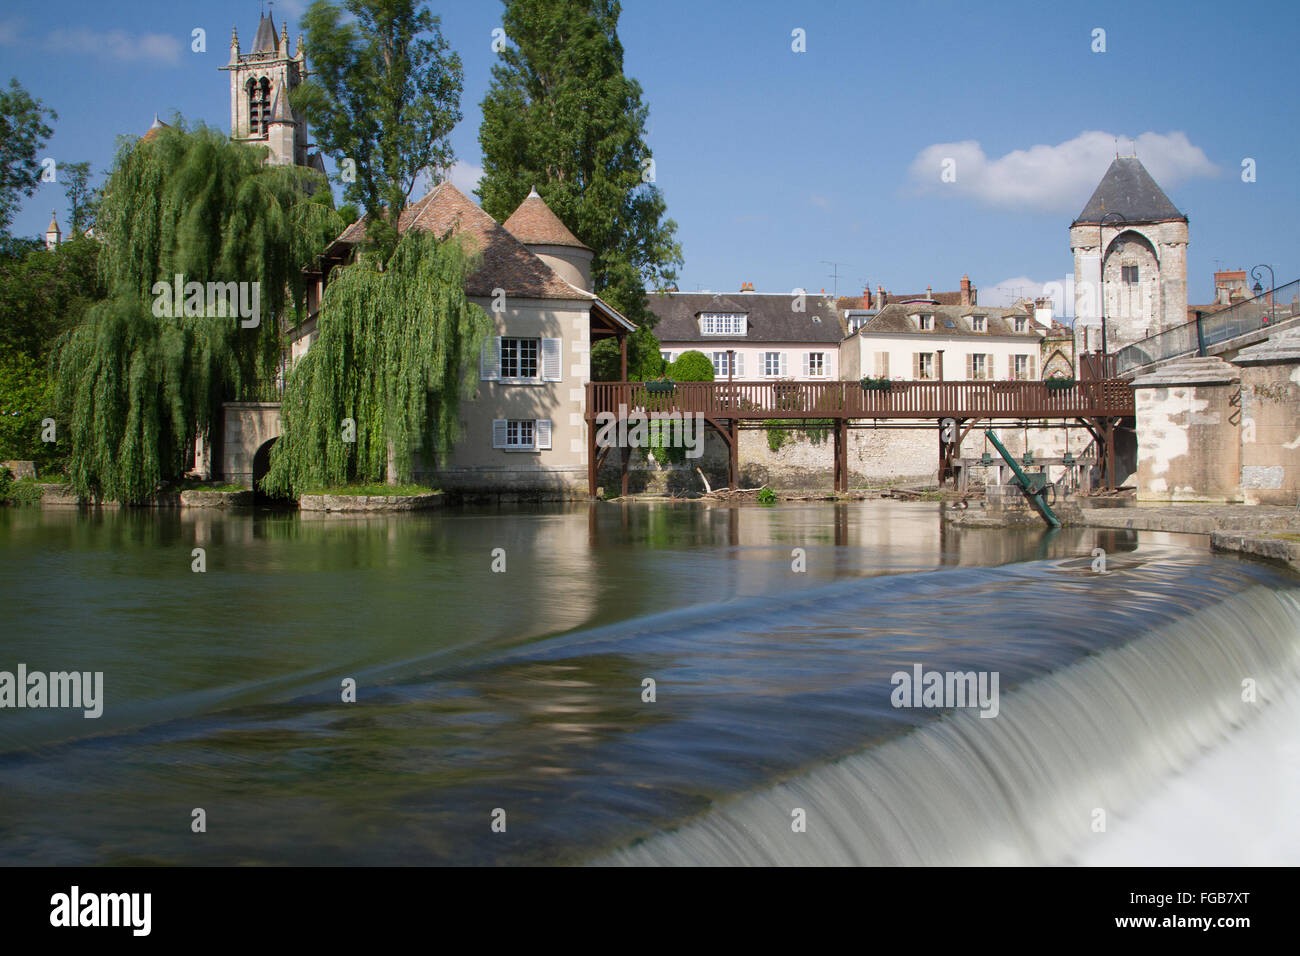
[[503, 715]]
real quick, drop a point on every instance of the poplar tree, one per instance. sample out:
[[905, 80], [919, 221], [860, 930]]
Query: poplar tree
[[382, 99], [562, 116]]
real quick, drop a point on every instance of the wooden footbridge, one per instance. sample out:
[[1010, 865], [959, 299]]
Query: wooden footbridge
[[1099, 405]]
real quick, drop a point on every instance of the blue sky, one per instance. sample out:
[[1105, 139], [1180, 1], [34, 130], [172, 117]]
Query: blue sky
[[773, 161]]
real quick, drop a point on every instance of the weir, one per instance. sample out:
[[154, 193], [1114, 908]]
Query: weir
[[1025, 788]]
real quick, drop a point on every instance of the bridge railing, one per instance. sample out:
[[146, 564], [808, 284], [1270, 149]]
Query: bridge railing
[[1270, 308], [966, 399]]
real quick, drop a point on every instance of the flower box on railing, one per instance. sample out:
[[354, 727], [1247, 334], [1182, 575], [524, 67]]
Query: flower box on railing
[[1059, 383], [870, 384], [660, 387]]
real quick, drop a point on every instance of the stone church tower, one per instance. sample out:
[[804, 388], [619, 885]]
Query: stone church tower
[[1130, 260], [260, 81]]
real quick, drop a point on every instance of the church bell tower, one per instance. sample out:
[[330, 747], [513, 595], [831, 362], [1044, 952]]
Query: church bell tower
[[260, 81]]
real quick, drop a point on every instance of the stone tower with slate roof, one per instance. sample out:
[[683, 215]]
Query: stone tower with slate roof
[[260, 81], [1139, 239]]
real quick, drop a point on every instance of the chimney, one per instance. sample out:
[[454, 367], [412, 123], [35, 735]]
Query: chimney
[[1221, 295], [928, 293], [880, 297], [965, 291], [866, 296]]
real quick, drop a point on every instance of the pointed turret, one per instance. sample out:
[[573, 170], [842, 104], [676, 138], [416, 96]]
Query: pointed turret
[[53, 235], [1128, 190], [264, 41], [540, 229], [234, 45]]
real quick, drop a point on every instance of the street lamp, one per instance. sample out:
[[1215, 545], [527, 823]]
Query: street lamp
[[1259, 290], [1101, 276]]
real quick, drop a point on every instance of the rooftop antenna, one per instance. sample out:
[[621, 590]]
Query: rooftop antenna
[[1117, 147], [835, 275], [1135, 146]]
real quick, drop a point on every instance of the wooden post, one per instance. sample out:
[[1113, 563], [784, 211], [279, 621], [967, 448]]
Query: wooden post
[[622, 362], [591, 450], [627, 453], [1110, 455], [733, 461]]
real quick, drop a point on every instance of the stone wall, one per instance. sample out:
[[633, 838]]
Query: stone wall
[[1188, 432], [877, 456], [1270, 420]]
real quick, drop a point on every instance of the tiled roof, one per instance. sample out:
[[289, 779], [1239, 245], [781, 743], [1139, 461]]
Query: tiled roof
[[507, 264], [534, 224], [949, 321], [1128, 189], [770, 316]]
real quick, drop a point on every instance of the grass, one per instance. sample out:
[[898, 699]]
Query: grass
[[22, 491], [376, 490]]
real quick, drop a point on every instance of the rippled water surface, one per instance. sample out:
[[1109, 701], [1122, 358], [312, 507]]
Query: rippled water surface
[[523, 690]]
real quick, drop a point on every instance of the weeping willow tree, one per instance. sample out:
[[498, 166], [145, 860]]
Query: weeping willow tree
[[136, 387], [383, 381]]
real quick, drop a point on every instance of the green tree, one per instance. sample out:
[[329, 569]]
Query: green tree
[[133, 387], [45, 293], [384, 92], [23, 132], [25, 402], [562, 116], [395, 349], [83, 199]]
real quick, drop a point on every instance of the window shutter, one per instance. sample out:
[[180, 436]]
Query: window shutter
[[542, 433], [498, 433], [988, 367], [883, 367], [807, 363], [740, 365], [551, 360], [970, 366], [785, 366], [489, 366], [916, 366], [1033, 368]]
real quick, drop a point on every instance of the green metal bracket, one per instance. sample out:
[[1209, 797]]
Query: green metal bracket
[[1034, 487]]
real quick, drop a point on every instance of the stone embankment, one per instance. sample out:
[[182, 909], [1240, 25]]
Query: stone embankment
[[357, 504]]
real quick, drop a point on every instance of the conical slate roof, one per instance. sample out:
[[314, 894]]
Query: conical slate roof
[[264, 42], [534, 224], [1128, 189]]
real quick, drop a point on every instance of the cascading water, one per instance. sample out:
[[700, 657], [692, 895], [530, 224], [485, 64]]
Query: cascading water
[[1026, 787]]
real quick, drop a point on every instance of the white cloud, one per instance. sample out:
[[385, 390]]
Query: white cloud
[[1052, 178], [465, 176], [116, 44]]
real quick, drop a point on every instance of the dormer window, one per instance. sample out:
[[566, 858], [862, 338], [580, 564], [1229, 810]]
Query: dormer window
[[722, 323], [925, 322], [1022, 323], [978, 323]]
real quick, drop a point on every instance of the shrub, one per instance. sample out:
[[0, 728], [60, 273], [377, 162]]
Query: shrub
[[766, 496], [691, 366]]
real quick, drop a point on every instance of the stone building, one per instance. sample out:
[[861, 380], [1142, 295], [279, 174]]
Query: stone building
[[1130, 260], [524, 430], [260, 83]]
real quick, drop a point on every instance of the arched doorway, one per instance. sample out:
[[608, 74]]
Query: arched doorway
[[262, 465]]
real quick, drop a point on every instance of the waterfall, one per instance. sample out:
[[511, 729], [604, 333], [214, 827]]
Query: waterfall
[[1099, 734]]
